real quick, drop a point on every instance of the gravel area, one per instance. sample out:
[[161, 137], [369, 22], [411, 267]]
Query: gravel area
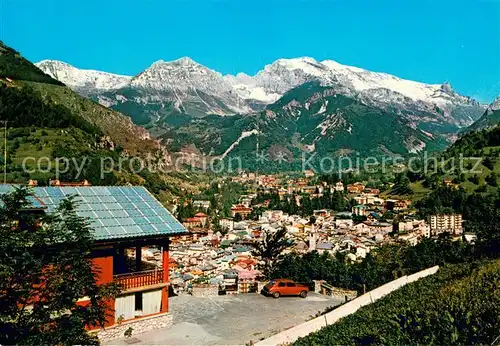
[[230, 320]]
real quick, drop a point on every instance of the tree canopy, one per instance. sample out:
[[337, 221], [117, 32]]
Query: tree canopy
[[270, 248]]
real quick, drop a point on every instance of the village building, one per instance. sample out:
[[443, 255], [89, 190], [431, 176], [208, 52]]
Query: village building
[[200, 204], [360, 210], [57, 182], [309, 173], [355, 188], [226, 224], [242, 210], [192, 222], [339, 186], [451, 223]]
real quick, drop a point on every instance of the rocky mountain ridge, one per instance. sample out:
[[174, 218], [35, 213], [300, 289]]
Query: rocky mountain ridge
[[184, 86]]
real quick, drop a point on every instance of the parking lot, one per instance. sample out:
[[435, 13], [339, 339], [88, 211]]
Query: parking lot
[[231, 320]]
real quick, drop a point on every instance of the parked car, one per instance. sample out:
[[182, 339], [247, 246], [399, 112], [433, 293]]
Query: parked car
[[284, 287]]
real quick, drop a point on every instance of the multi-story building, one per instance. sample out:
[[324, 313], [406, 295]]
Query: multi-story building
[[240, 209], [451, 223]]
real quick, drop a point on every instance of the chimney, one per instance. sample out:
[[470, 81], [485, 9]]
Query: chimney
[[54, 182]]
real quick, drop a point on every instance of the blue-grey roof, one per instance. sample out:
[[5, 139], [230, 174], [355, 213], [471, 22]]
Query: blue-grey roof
[[7, 188], [324, 246], [114, 212]]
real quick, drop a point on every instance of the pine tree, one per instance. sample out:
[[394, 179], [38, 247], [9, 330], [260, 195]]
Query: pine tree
[[270, 249]]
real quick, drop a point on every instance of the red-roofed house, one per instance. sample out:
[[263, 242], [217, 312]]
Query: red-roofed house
[[242, 210]]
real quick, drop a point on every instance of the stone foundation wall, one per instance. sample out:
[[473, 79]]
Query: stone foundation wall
[[138, 327], [317, 285], [337, 293], [205, 291]]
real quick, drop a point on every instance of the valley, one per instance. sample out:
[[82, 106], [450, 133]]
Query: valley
[[166, 162]]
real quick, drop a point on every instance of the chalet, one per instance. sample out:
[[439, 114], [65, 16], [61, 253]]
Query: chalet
[[272, 215], [397, 205], [368, 198], [362, 251], [311, 189], [321, 212], [449, 183], [377, 226], [409, 238], [282, 193], [122, 218], [372, 191], [343, 223], [401, 205], [267, 180], [202, 217]]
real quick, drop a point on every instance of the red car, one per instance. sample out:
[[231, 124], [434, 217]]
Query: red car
[[284, 287]]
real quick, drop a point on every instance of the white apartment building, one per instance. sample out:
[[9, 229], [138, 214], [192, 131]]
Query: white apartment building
[[451, 223]]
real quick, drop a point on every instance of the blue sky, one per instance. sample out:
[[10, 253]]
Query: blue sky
[[430, 41]]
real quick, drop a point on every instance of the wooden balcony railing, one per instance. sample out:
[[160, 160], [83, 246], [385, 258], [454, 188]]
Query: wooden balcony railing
[[139, 279]]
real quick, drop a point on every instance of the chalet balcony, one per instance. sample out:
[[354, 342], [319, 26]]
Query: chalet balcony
[[139, 279]]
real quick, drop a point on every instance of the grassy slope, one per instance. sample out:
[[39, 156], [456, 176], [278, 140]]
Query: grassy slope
[[458, 305], [489, 118]]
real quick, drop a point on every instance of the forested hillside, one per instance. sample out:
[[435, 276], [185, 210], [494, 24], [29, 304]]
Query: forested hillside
[[15, 67], [52, 129], [310, 120], [24, 107]]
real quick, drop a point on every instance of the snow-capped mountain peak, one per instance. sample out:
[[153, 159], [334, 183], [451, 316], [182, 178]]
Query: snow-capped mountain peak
[[81, 79], [357, 79], [335, 66], [183, 73], [183, 82], [184, 61]]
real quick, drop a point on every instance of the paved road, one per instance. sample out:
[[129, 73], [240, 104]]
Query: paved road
[[231, 320]]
